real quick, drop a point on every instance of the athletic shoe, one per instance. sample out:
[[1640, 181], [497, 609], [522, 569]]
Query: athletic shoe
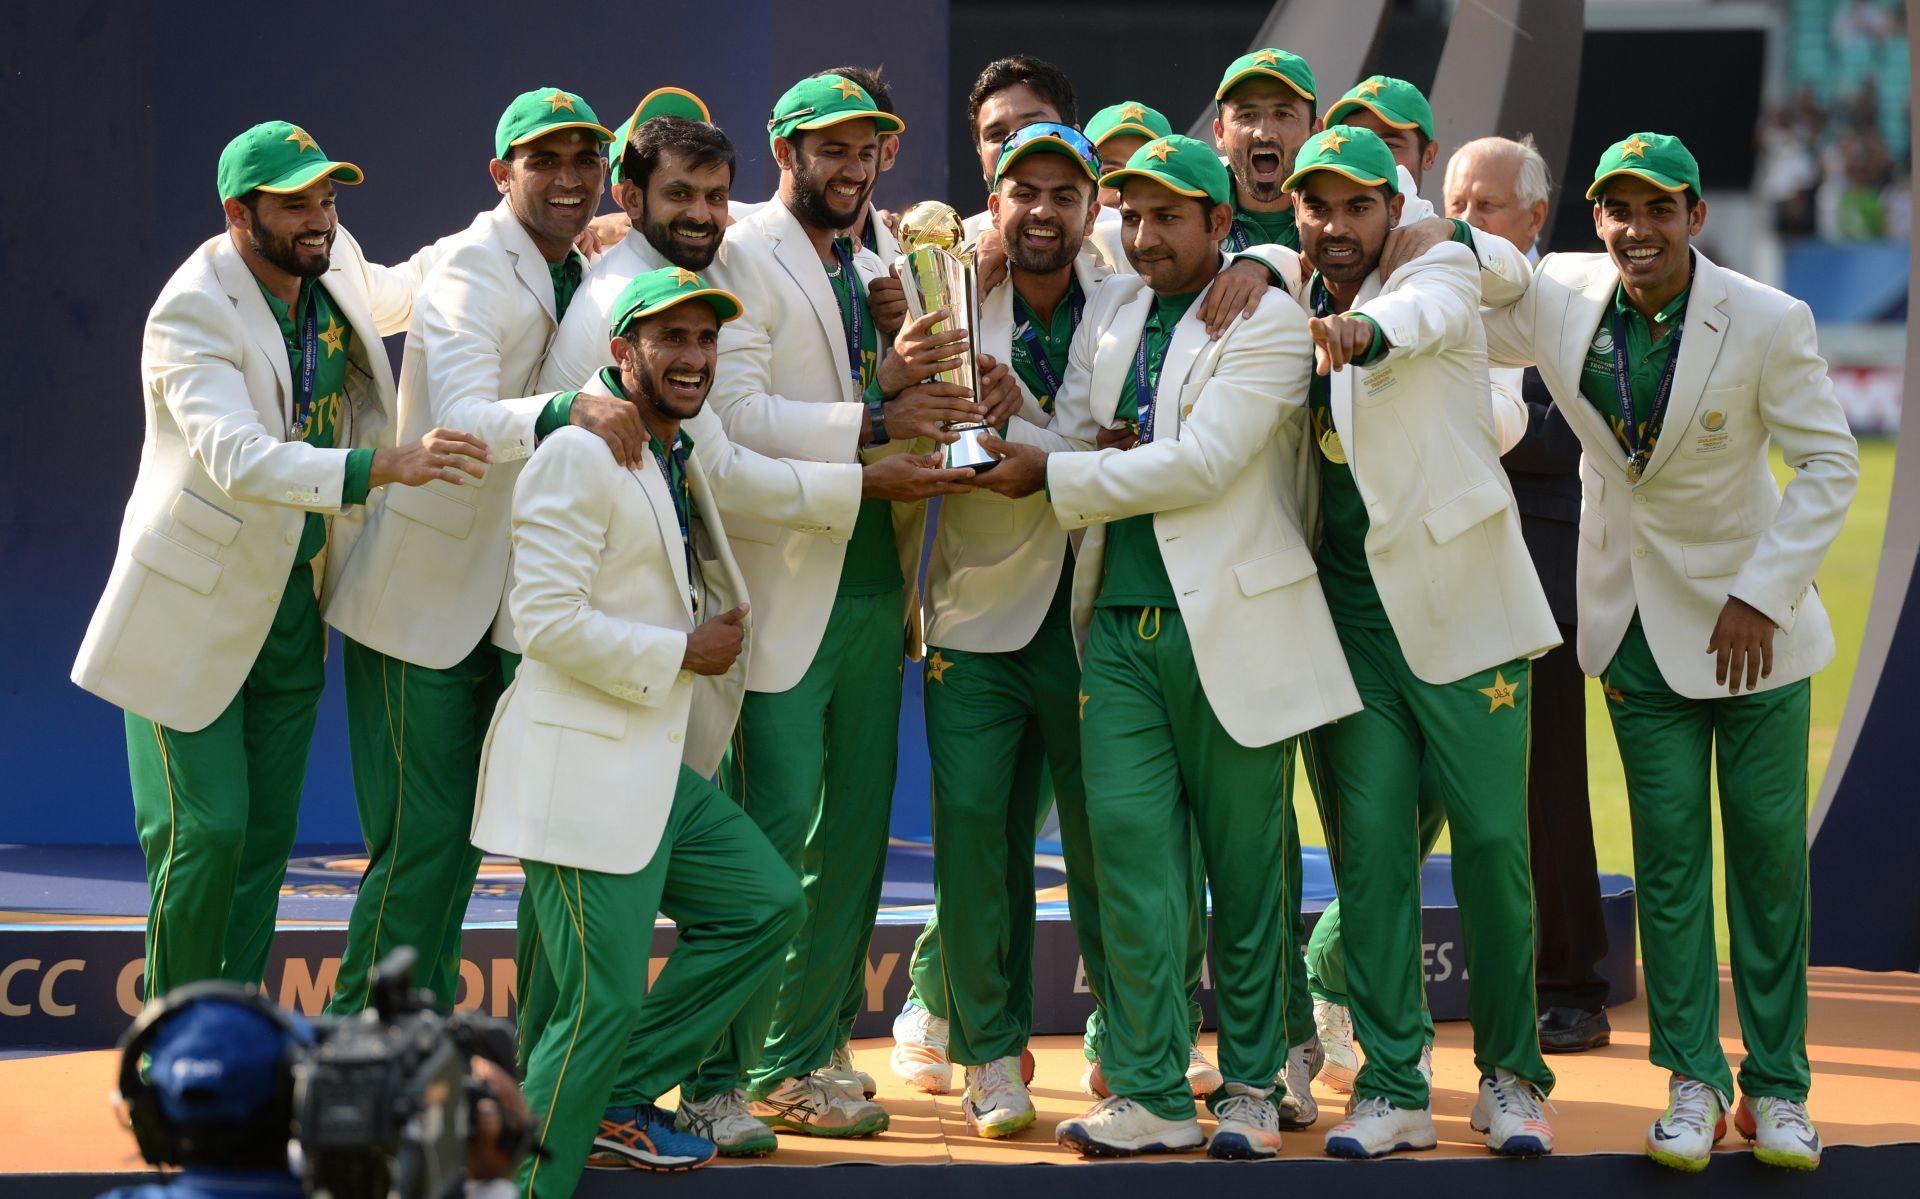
[[642, 1137], [1249, 1124], [919, 1055], [1781, 1132], [1334, 1023], [1203, 1077], [1375, 1128], [841, 1071], [1509, 1112], [1426, 1064], [1119, 1127], [818, 1107], [725, 1120], [997, 1102], [1093, 1083], [1297, 1107], [1684, 1135]]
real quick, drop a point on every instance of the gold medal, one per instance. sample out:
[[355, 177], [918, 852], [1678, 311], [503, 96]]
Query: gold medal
[[1331, 447], [1633, 470]]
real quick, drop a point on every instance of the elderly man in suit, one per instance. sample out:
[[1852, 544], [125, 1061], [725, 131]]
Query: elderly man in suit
[[1699, 615], [267, 395]]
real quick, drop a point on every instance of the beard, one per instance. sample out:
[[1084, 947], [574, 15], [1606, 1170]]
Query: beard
[[641, 389], [659, 235], [284, 255], [1262, 190], [1352, 270], [1041, 262], [810, 202]]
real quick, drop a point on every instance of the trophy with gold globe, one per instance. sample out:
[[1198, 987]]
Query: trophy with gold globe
[[937, 274]]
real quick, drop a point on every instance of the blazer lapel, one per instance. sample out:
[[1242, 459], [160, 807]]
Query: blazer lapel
[[1701, 337], [795, 253], [1183, 351], [257, 319], [1585, 310], [527, 261], [653, 485], [1113, 358]]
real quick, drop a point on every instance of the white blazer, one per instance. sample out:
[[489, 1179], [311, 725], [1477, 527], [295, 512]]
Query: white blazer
[[584, 752], [1229, 417], [996, 562], [783, 387], [429, 576], [218, 506], [1706, 519]]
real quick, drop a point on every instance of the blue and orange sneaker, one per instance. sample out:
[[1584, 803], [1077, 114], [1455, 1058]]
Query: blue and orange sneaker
[[642, 1137]]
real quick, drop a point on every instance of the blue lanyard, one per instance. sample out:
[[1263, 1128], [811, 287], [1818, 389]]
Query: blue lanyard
[[680, 510], [855, 324], [1037, 350], [1638, 454], [1143, 389], [1238, 238], [309, 363]]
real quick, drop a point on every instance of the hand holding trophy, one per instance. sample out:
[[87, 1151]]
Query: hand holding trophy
[[937, 274]]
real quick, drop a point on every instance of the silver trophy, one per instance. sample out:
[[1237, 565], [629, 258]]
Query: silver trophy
[[937, 274]]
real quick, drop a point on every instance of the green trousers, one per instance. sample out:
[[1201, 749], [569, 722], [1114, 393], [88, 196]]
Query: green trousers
[[814, 767], [217, 809], [415, 734], [1475, 732], [1757, 744], [1161, 773], [609, 1040]]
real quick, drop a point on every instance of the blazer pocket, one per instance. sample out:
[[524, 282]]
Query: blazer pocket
[[1712, 559], [581, 712], [1593, 527], [1481, 502], [165, 556], [1257, 576], [215, 524], [433, 508]]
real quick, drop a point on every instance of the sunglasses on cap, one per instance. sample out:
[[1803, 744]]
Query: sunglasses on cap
[[1066, 135]]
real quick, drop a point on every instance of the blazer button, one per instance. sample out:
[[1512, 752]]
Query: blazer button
[[1639, 551], [674, 735], [273, 597], [290, 539], [686, 676], [1639, 498]]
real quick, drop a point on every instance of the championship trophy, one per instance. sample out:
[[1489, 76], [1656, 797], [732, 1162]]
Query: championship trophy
[[937, 274]]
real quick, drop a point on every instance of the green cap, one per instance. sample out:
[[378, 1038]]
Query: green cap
[[1048, 137], [657, 291], [1290, 69], [1394, 101], [1347, 150], [822, 100], [660, 102], [1659, 158], [1128, 116], [277, 157], [541, 111], [1179, 162]]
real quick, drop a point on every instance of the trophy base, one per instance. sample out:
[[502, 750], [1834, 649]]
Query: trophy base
[[967, 452]]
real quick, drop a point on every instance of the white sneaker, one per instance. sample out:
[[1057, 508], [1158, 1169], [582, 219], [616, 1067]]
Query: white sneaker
[[1334, 1022], [919, 1055], [1375, 1128], [725, 1120], [1781, 1132], [1203, 1077], [818, 1107], [841, 1071], [1297, 1107], [1509, 1112], [997, 1103], [1119, 1127], [1426, 1064], [1684, 1135], [1249, 1124]]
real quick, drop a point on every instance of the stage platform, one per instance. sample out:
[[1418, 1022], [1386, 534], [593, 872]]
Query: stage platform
[[62, 1140]]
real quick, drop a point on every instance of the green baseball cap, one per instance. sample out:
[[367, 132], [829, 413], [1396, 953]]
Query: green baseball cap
[[822, 100], [1128, 116], [540, 112], [660, 102], [1659, 158], [1178, 162], [1290, 69], [280, 158], [657, 291], [1394, 101], [1347, 150], [1048, 137]]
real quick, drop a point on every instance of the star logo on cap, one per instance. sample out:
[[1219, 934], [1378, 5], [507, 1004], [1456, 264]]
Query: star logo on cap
[[1159, 150], [303, 139], [330, 336], [1133, 112], [1635, 147], [1266, 58], [558, 101], [1501, 693], [1331, 143], [1370, 88], [848, 89], [682, 277]]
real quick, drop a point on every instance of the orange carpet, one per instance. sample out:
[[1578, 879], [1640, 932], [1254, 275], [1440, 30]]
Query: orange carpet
[[1864, 1045]]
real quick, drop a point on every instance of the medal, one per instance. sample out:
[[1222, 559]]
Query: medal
[[1331, 447], [1634, 468]]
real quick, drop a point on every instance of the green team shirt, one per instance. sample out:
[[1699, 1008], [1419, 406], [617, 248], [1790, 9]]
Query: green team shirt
[[1056, 339], [566, 280], [1267, 228], [872, 564], [330, 386], [1345, 575], [1136, 577], [1646, 362]]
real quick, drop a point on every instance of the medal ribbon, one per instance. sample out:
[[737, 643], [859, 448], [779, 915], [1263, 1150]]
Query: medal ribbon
[[1037, 350], [1637, 454], [680, 510], [855, 324], [1143, 389], [303, 400], [1238, 238]]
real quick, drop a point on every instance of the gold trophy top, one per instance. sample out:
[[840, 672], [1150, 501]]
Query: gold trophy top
[[931, 223]]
